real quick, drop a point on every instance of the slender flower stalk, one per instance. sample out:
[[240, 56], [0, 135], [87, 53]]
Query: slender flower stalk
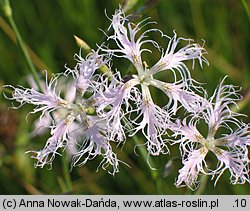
[[8, 13]]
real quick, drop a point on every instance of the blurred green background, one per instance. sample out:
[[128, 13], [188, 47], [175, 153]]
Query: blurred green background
[[47, 28]]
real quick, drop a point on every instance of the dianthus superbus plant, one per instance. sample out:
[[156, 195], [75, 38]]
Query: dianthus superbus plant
[[86, 109]]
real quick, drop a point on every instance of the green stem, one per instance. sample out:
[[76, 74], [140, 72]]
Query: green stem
[[149, 162], [242, 103], [8, 13], [203, 185], [66, 173], [246, 8]]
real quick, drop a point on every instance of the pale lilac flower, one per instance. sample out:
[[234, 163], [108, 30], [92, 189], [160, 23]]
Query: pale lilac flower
[[173, 59], [153, 124], [229, 148], [72, 122], [47, 101], [119, 96], [128, 40], [130, 47], [180, 94], [59, 138], [85, 69], [112, 97], [67, 88], [93, 141]]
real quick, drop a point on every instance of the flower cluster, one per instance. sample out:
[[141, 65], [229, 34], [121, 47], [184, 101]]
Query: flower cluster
[[100, 109]]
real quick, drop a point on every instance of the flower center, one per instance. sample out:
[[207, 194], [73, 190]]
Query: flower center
[[210, 143], [143, 79]]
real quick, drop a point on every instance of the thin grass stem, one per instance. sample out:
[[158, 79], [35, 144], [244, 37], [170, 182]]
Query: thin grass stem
[[8, 13]]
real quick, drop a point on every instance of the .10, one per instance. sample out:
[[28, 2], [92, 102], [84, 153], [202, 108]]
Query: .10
[[241, 202]]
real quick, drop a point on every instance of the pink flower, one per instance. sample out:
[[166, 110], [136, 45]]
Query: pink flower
[[128, 40], [72, 127], [59, 138], [153, 124], [229, 148], [93, 142], [128, 106], [46, 101], [85, 69], [173, 59]]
